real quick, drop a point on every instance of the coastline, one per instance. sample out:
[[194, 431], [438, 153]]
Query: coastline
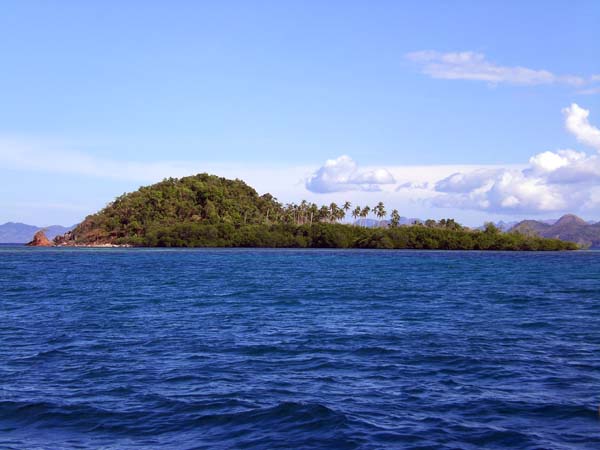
[[142, 247], [93, 245]]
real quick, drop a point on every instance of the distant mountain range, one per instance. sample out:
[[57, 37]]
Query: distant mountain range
[[506, 226], [21, 233], [568, 228]]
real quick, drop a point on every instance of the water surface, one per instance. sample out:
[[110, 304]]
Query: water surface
[[133, 348]]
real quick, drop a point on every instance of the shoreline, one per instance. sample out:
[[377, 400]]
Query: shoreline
[[141, 247], [93, 245]]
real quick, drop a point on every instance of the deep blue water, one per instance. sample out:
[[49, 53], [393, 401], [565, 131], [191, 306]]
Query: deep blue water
[[124, 348]]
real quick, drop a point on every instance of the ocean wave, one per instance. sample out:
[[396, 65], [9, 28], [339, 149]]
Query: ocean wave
[[137, 349]]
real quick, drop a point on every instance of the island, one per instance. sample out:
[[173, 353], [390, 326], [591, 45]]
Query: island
[[209, 211]]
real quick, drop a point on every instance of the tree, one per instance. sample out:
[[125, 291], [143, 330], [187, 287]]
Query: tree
[[364, 213], [395, 218], [356, 212], [323, 213], [452, 224], [313, 210], [490, 228], [340, 214], [303, 210], [333, 212], [346, 207], [209, 211], [380, 211]]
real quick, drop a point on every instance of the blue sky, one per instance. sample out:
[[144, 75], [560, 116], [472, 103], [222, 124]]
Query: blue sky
[[97, 98]]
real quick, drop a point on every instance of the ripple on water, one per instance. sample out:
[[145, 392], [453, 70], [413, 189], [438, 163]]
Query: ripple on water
[[298, 349]]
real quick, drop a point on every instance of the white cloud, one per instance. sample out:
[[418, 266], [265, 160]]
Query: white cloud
[[287, 182], [566, 167], [576, 121], [505, 190], [466, 182], [413, 185], [474, 66], [551, 161], [562, 180], [552, 181], [343, 174]]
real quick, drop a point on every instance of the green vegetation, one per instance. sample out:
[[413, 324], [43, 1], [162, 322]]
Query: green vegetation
[[209, 211]]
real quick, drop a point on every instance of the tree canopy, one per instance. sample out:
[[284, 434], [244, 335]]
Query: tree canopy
[[209, 211]]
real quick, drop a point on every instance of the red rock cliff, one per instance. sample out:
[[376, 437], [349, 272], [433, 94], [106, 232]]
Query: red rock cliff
[[40, 240]]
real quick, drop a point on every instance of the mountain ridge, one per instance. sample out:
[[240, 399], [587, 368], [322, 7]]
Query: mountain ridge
[[569, 228], [21, 233]]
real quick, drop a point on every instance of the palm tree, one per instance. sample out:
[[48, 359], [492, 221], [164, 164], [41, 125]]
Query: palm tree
[[333, 212], [313, 209], [395, 218], [365, 213], [323, 213], [303, 211], [356, 213], [380, 211], [346, 207]]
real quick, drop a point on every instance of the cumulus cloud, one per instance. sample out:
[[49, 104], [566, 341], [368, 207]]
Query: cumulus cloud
[[577, 122], [566, 167], [474, 66], [466, 182], [501, 191], [343, 174], [553, 180]]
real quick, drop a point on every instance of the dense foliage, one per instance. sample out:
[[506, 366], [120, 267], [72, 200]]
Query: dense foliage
[[325, 235], [209, 211]]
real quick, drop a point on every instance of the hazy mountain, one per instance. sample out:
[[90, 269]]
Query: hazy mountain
[[20, 233], [507, 226], [568, 228]]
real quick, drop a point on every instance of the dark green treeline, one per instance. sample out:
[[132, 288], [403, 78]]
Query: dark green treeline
[[209, 211]]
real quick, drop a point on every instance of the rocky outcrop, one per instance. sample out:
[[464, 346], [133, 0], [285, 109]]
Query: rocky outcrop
[[20, 233], [40, 240]]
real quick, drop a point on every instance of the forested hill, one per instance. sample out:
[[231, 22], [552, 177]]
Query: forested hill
[[200, 199], [209, 211]]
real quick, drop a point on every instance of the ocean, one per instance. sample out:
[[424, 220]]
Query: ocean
[[294, 349]]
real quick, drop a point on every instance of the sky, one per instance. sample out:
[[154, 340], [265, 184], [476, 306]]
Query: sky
[[466, 109]]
